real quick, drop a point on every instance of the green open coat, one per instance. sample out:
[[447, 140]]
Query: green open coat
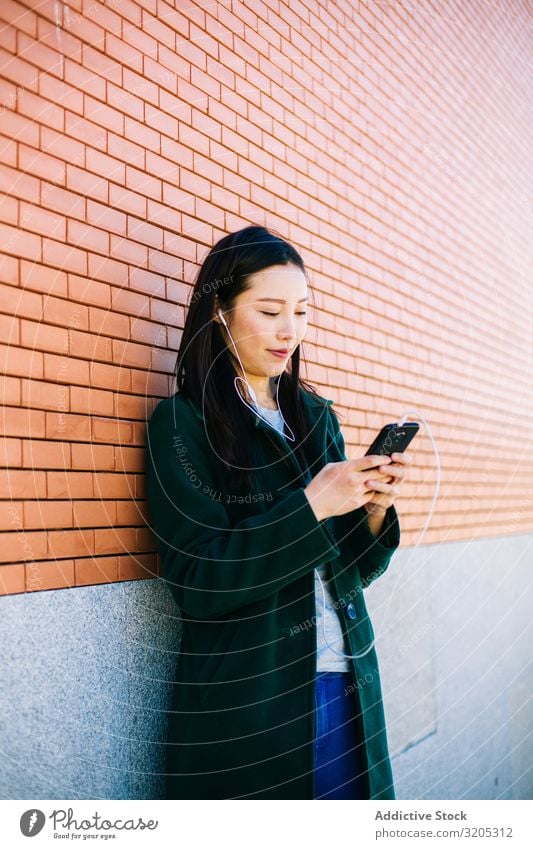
[[240, 566]]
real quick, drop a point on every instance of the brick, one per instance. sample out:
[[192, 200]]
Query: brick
[[175, 244], [65, 313], [141, 86], [108, 541], [43, 279], [96, 570], [102, 16], [82, 132], [23, 546], [91, 457], [69, 484], [130, 513], [23, 422], [110, 429], [73, 543], [108, 486], [103, 115], [159, 313], [145, 233], [19, 17], [67, 426], [20, 243], [123, 101], [126, 151], [108, 323], [41, 164], [38, 220], [18, 71], [92, 185], [161, 361], [66, 369], [44, 337], [15, 483], [12, 578], [106, 166], [89, 33], [52, 575], [129, 251], [16, 360], [63, 201], [132, 12], [89, 291], [164, 263], [40, 110], [128, 301], [18, 128], [91, 401], [162, 76], [90, 346], [158, 31], [141, 134], [42, 454], [152, 384], [71, 45], [88, 236], [8, 155], [80, 80], [123, 53], [129, 459], [64, 257], [137, 567], [192, 95], [37, 394], [143, 183], [10, 329], [130, 202], [128, 407], [173, 18], [144, 281], [10, 452], [47, 514], [97, 513], [174, 62]]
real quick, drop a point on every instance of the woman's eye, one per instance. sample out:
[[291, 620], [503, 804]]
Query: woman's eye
[[277, 313]]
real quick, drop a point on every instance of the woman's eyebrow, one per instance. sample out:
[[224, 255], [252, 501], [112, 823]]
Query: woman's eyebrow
[[280, 300]]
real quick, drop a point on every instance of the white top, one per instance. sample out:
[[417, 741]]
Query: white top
[[327, 660]]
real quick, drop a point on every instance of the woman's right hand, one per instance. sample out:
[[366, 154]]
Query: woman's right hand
[[341, 487]]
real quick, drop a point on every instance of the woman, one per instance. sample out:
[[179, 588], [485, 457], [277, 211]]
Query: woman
[[256, 509]]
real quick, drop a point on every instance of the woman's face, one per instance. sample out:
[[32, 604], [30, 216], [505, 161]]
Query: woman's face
[[270, 316]]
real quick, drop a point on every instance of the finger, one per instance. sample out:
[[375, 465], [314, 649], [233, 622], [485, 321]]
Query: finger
[[373, 460], [402, 457], [397, 471], [380, 486], [392, 469]]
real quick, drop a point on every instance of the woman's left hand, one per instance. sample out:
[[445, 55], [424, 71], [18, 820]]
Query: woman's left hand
[[387, 492]]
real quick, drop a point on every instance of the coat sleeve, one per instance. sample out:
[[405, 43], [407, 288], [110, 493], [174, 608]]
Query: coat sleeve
[[213, 568], [373, 553]]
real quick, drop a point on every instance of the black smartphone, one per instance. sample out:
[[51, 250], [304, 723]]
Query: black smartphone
[[393, 438]]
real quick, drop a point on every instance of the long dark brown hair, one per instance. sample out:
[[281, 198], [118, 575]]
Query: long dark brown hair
[[204, 368]]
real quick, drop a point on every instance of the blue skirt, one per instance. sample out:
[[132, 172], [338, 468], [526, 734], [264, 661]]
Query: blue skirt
[[340, 764]]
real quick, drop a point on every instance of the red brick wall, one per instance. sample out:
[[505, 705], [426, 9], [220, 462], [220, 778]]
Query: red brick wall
[[389, 144]]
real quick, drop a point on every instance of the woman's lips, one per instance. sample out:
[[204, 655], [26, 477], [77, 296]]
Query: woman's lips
[[281, 354]]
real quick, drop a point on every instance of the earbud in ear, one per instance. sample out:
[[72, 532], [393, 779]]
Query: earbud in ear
[[223, 320]]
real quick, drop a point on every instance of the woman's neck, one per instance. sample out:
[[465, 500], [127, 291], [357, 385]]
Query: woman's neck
[[265, 392]]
